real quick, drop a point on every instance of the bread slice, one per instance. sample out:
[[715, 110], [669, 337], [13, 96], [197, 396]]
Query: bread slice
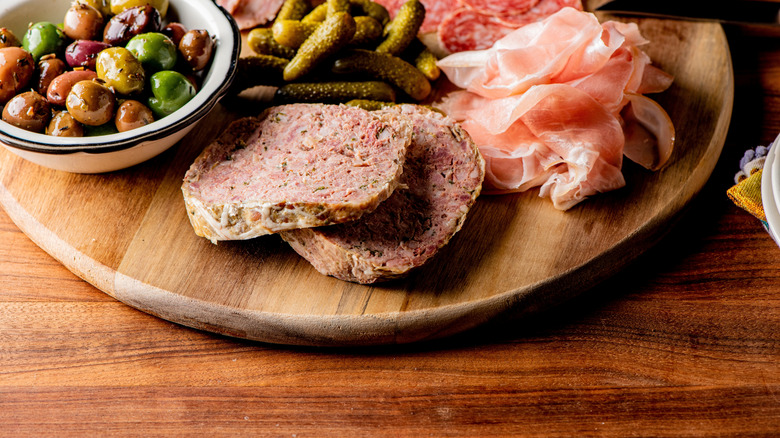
[[295, 166], [442, 178]]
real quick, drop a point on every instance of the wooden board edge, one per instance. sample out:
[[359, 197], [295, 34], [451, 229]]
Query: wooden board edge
[[83, 266]]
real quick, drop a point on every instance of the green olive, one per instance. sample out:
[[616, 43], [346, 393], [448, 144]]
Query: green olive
[[43, 38], [171, 90], [155, 51], [91, 103], [104, 129], [121, 70]]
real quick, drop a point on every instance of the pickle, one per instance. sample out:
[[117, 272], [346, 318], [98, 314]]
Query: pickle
[[421, 57], [425, 61], [369, 105], [292, 33], [373, 10], [259, 70], [261, 41], [333, 34], [288, 35], [404, 27], [293, 10], [367, 30], [364, 7], [335, 92], [387, 68], [317, 15], [336, 6]]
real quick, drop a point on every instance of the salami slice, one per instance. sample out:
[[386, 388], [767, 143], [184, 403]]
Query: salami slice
[[467, 29], [435, 11], [501, 7], [542, 10]]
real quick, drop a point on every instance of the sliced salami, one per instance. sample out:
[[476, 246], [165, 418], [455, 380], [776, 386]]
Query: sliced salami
[[540, 11], [467, 29], [501, 7], [435, 11]]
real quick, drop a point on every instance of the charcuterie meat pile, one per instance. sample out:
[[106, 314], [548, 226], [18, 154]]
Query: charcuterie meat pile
[[545, 96]]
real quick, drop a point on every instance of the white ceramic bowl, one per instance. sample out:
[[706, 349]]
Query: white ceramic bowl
[[117, 151], [769, 191]]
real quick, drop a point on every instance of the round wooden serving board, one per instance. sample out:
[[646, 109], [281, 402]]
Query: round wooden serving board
[[128, 234]]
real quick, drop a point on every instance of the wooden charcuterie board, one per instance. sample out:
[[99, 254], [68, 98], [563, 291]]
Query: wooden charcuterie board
[[128, 234]]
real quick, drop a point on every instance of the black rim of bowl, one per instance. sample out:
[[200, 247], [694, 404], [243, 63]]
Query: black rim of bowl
[[100, 148]]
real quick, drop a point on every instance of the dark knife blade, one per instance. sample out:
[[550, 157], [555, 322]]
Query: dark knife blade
[[754, 12]]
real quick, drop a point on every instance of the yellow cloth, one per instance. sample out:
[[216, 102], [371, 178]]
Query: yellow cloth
[[747, 195]]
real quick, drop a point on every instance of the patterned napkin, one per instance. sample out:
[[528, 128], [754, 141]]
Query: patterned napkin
[[746, 193]]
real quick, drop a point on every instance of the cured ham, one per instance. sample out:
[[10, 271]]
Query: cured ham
[[251, 13], [557, 104]]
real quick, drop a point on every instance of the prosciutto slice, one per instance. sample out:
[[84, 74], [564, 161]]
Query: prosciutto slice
[[548, 106]]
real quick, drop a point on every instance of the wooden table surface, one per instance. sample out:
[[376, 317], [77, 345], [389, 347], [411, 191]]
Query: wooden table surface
[[685, 341]]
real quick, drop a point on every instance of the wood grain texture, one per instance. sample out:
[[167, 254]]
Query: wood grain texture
[[128, 234]]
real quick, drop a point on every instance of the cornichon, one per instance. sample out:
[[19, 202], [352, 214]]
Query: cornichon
[[425, 61], [259, 70], [369, 105], [387, 68], [367, 31], [333, 34], [373, 10], [335, 92], [403, 29], [293, 10], [317, 15], [366, 7], [261, 40], [421, 57], [336, 6], [292, 33]]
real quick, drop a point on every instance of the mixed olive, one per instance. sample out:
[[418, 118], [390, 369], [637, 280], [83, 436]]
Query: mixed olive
[[111, 66]]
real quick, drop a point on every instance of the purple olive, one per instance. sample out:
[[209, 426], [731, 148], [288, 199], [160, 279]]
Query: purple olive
[[131, 22], [61, 85], [83, 53]]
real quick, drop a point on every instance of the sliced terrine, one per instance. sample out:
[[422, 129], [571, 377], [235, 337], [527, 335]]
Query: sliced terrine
[[442, 178], [295, 166]]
